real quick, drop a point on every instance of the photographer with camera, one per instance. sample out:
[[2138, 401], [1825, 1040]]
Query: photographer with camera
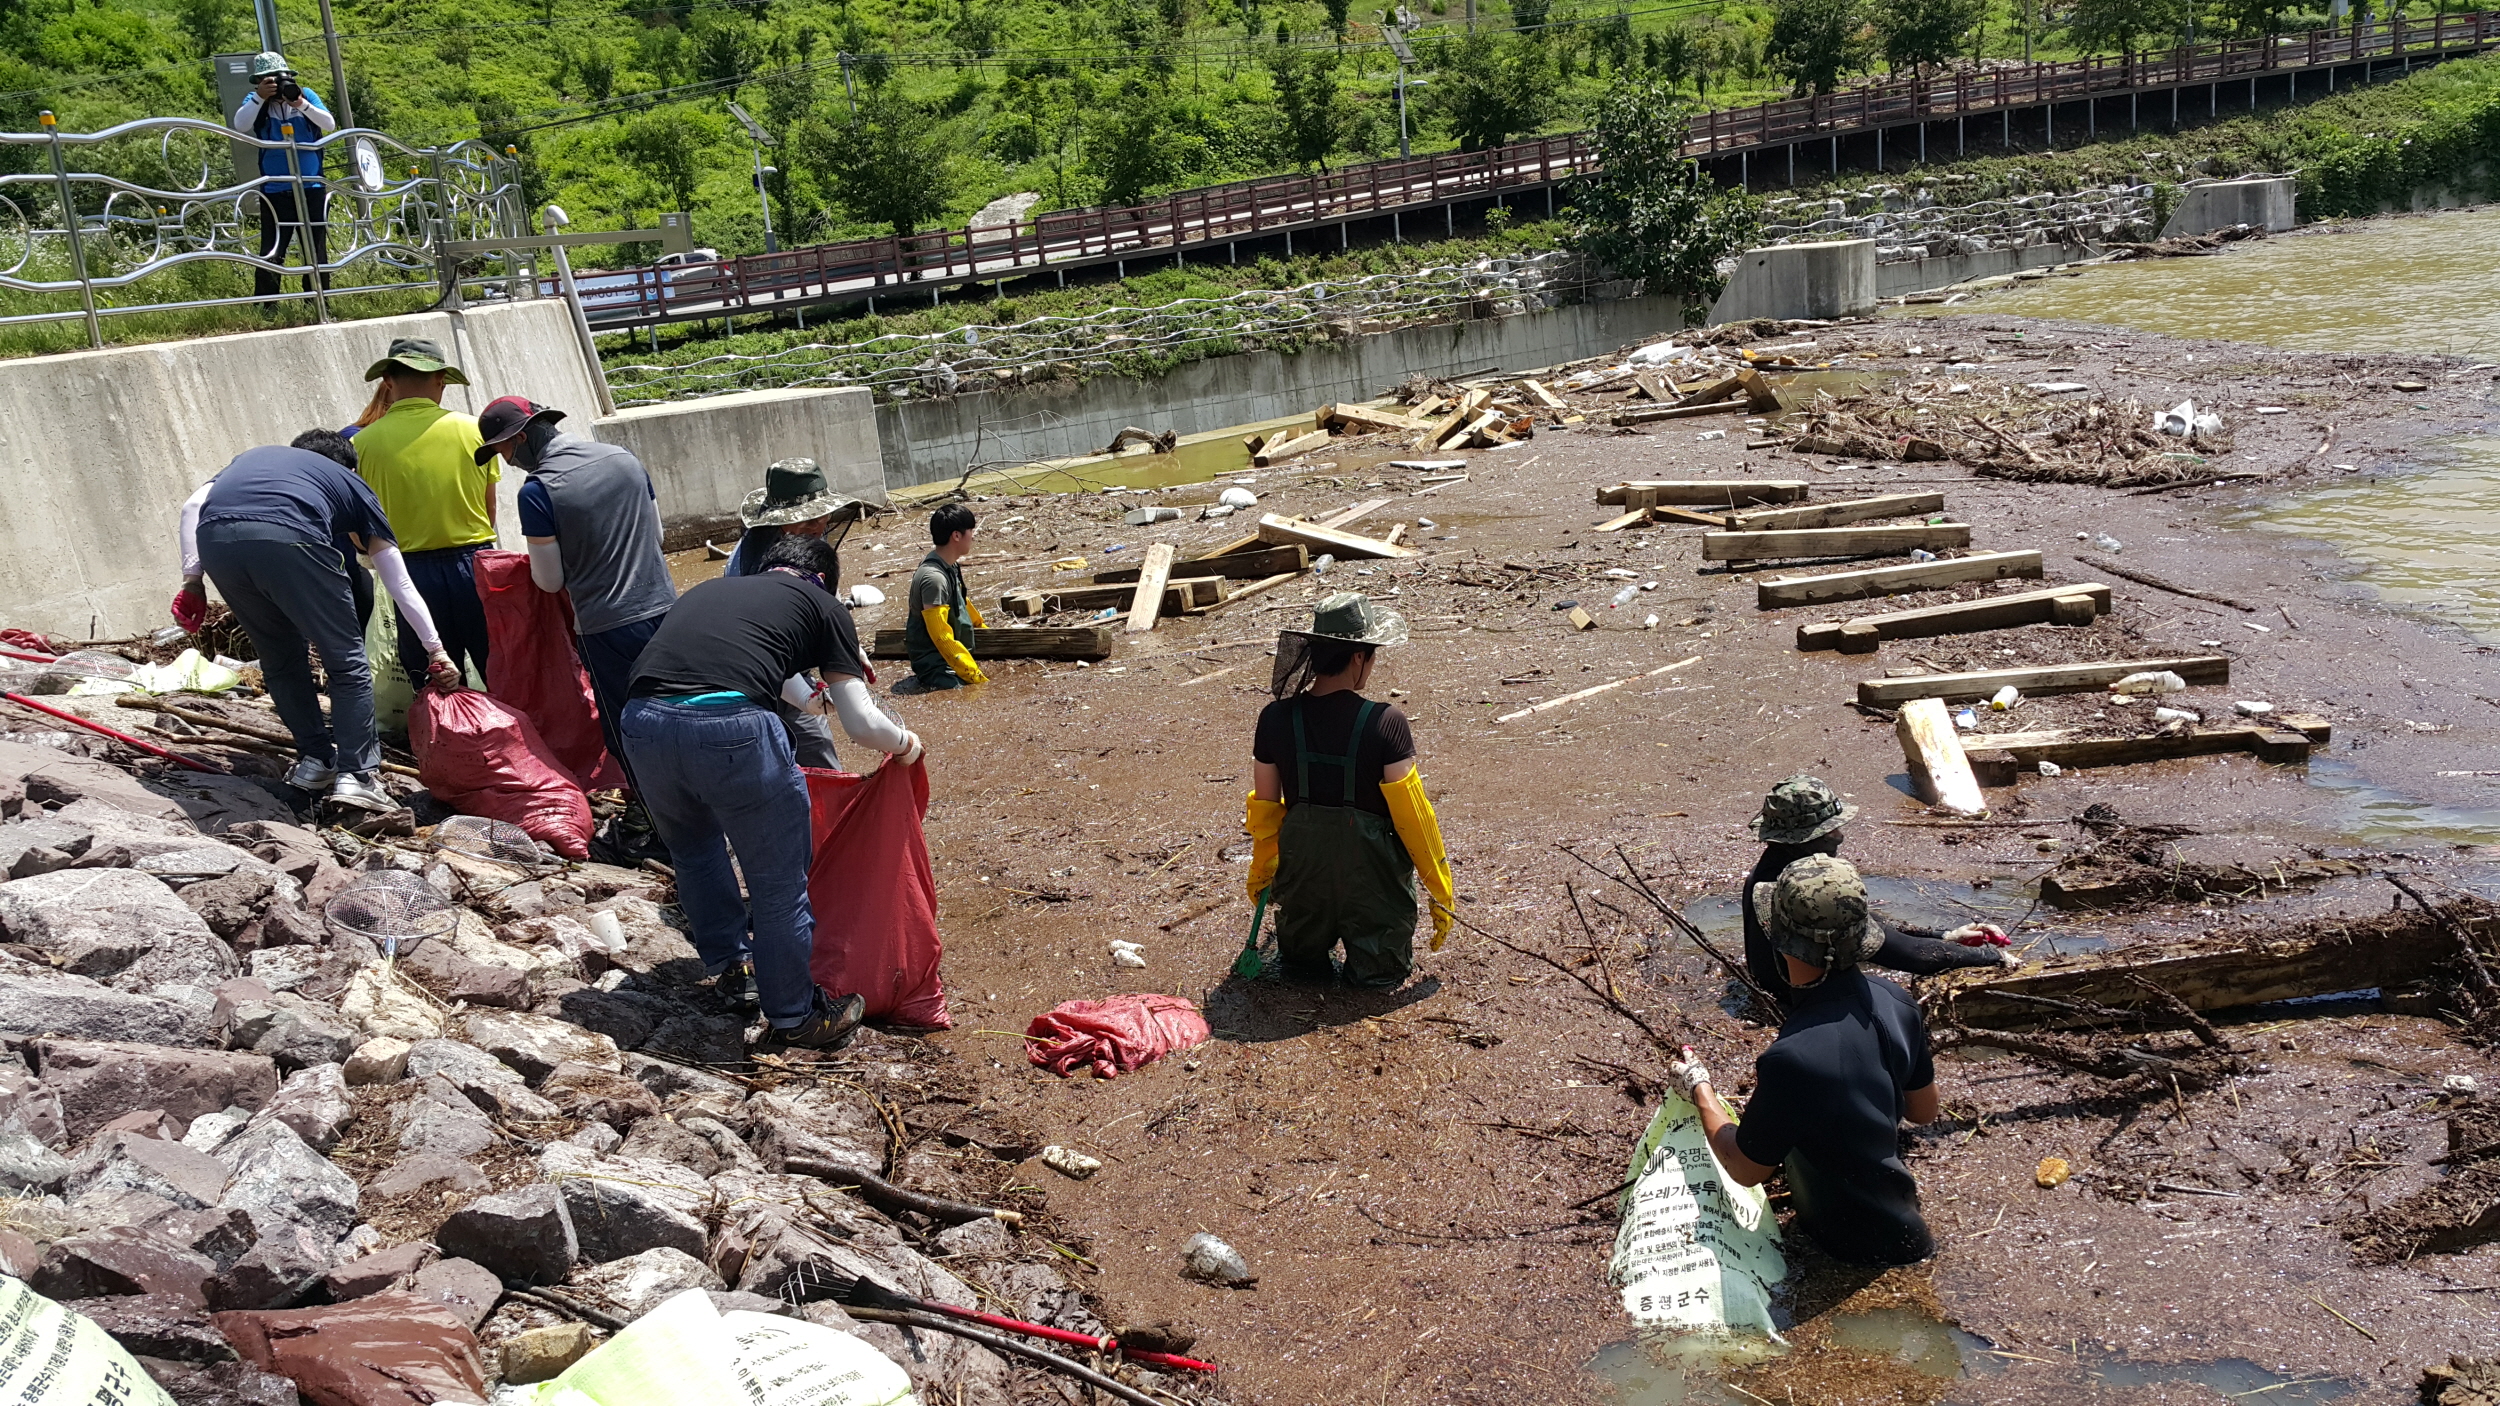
[[279, 109]]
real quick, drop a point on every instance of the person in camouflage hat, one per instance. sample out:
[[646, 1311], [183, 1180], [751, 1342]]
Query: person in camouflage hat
[[1851, 1064], [1801, 819]]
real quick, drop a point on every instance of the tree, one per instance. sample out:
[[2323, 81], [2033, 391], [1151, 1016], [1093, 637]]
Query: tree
[[1530, 15], [206, 23], [595, 65], [1489, 90], [1813, 42], [1649, 212], [1918, 33], [2098, 26], [662, 149], [724, 52], [1311, 121], [889, 167], [1133, 149]]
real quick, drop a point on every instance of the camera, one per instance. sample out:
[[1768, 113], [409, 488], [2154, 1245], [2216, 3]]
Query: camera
[[289, 90]]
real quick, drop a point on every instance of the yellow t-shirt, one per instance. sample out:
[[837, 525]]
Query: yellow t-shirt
[[422, 463]]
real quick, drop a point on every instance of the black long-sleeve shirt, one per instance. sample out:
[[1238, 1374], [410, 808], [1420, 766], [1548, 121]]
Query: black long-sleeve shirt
[[1919, 956]]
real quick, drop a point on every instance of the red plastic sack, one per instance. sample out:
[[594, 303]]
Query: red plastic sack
[[481, 757], [874, 895], [1114, 1036], [532, 665]]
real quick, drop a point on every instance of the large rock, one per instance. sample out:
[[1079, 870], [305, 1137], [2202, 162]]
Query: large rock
[[99, 1081], [292, 1030], [468, 1289], [453, 977], [118, 926], [21, 837], [635, 1285], [383, 1350], [376, 1004], [231, 902], [663, 1140], [430, 1171], [119, 1260], [220, 1383], [440, 1121], [383, 1269], [826, 1125], [27, 1165], [533, 1045], [620, 1208], [524, 1237], [222, 1233], [380, 1060], [542, 1354], [313, 1102], [281, 1269], [277, 1176], [600, 1095], [46, 776], [36, 1000], [700, 1039], [157, 1325], [481, 1078], [626, 1017], [189, 1179], [25, 1104]]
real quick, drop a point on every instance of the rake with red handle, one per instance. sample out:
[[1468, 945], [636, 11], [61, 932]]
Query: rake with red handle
[[864, 1293]]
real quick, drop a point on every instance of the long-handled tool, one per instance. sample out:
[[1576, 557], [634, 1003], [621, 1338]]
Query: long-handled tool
[[867, 1293], [1248, 965]]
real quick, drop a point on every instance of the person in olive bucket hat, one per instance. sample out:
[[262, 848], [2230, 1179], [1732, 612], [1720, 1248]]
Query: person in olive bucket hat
[[1338, 820], [1851, 1064], [1803, 817], [422, 462], [795, 502]]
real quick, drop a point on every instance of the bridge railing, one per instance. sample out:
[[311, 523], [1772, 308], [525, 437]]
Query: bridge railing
[[147, 217]]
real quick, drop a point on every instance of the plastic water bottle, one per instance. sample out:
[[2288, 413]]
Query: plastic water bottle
[[1626, 596], [2108, 543], [1326, 560], [1921, 554], [1966, 720]]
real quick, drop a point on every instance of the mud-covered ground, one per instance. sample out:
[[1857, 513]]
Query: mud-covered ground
[[1406, 1173]]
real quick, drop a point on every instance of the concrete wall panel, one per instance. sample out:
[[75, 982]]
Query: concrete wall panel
[[2265, 202], [706, 455], [1831, 279]]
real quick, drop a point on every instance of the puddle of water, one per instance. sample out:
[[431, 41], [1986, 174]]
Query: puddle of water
[[1914, 1340], [1675, 1371], [2233, 1377], [2429, 538], [2373, 815]]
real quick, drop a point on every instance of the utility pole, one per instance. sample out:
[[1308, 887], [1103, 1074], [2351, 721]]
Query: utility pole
[[1393, 29], [338, 69], [848, 91], [762, 139], [266, 13]]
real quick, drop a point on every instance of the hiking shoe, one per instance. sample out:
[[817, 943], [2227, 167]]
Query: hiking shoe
[[310, 775], [361, 790], [828, 1027], [736, 988]]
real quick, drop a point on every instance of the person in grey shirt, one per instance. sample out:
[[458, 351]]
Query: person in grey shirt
[[592, 521]]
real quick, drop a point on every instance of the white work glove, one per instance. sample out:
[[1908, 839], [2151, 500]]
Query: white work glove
[[2007, 959], [912, 750], [442, 673], [1688, 1074], [1979, 935]]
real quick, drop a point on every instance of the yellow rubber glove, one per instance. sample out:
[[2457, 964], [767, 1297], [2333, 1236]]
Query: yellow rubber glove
[[975, 612], [957, 657], [1420, 829], [1262, 819]]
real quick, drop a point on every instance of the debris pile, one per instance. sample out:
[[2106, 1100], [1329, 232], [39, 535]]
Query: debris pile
[[2008, 431]]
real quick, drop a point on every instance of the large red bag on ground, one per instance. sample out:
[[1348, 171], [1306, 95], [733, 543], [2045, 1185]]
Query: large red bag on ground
[[482, 757], [532, 665], [874, 894], [1114, 1036]]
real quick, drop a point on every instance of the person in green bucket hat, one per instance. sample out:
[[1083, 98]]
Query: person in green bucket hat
[[1339, 823], [421, 460], [1801, 818]]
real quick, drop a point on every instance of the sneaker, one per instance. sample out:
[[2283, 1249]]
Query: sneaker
[[828, 1027], [310, 775], [361, 790], [736, 988]]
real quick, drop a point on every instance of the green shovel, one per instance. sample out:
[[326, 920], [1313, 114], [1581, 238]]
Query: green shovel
[[1249, 964]]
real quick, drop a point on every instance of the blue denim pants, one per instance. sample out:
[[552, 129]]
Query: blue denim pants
[[718, 778], [286, 592]]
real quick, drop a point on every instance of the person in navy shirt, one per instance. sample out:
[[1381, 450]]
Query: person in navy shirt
[[281, 110]]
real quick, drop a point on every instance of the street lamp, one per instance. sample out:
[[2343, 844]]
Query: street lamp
[[1396, 34], [762, 139]]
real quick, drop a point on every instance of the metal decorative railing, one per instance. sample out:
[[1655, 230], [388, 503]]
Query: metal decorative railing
[[151, 217], [1914, 224], [902, 366]]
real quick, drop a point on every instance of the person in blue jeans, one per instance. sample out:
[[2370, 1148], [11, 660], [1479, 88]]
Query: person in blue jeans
[[714, 766]]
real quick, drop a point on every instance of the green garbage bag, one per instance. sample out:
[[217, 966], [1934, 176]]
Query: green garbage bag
[[51, 1356], [392, 691], [1696, 1253]]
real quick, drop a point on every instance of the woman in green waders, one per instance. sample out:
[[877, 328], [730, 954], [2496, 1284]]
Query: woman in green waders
[[1339, 823]]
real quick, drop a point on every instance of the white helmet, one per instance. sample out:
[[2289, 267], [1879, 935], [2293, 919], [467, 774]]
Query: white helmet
[[268, 62]]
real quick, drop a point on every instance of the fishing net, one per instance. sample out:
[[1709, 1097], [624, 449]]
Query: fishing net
[[499, 841], [392, 909]]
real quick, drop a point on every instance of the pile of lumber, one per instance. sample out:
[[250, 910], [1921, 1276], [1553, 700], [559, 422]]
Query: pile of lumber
[[1674, 500], [1743, 390]]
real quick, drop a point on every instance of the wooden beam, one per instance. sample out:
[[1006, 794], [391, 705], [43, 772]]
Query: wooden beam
[[1960, 618], [1648, 416], [1892, 580], [1833, 542], [1233, 565], [1179, 596], [1631, 519], [1717, 390], [1286, 530], [1706, 492], [1760, 396], [1839, 514], [1146, 606], [1300, 443], [1254, 588], [1355, 513], [1466, 410], [2055, 678], [2288, 739], [1093, 642], [1364, 419], [1545, 397], [1938, 770]]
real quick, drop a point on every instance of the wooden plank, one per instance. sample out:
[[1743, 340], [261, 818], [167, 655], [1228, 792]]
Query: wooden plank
[[1239, 545], [1459, 414], [1091, 642], [1708, 492], [1545, 397], [1366, 419], [1676, 412], [1286, 530], [1301, 443], [2291, 741], [1233, 565], [1147, 605], [1891, 580], [2056, 678], [1717, 390], [1654, 386], [1760, 397], [1630, 519], [1833, 542], [1959, 618], [1356, 513], [1839, 514], [1487, 424], [1186, 594], [1254, 588], [1395, 534], [1938, 770], [1426, 411]]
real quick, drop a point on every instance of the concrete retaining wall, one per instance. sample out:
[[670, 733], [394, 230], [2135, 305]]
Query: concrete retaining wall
[[927, 440], [1943, 271], [707, 455], [99, 448], [1834, 278], [2265, 202]]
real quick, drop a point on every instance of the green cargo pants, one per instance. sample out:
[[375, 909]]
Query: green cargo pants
[[1343, 876]]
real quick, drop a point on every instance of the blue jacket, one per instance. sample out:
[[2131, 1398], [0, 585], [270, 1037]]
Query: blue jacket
[[266, 127]]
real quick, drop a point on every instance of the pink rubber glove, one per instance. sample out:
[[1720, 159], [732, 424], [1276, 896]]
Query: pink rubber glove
[[191, 607]]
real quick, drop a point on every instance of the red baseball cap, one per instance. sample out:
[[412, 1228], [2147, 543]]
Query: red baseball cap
[[505, 417]]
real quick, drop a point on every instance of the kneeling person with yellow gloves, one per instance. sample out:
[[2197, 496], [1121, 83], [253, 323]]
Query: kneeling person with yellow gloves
[[1339, 822], [941, 611]]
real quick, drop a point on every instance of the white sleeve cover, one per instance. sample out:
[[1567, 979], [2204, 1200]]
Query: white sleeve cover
[[191, 530], [546, 566], [862, 719], [320, 114], [388, 565], [246, 115]]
